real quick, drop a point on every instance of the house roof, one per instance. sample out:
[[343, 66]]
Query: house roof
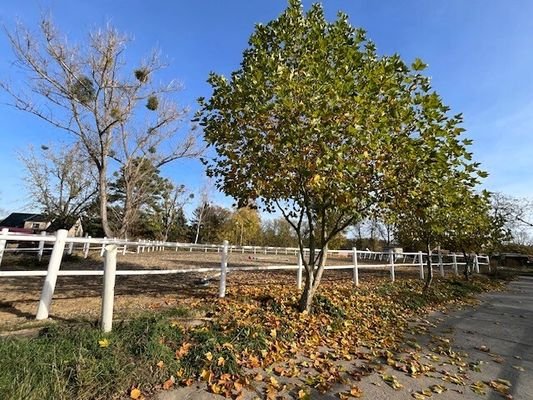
[[17, 220]]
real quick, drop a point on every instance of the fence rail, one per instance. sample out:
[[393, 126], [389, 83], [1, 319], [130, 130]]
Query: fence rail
[[59, 244]]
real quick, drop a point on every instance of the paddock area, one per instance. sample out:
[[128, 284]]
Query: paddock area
[[79, 297]]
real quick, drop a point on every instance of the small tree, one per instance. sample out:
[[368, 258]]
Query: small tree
[[113, 112], [60, 182], [444, 178], [475, 227], [317, 125], [208, 223], [436, 218], [138, 186], [243, 227], [279, 233]]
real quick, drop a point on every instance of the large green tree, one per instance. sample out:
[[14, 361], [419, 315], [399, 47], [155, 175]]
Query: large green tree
[[317, 124]]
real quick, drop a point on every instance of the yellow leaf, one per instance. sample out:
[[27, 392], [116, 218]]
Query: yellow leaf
[[258, 378], [273, 333], [160, 364], [392, 381], [168, 383], [215, 388], [238, 386], [221, 361], [103, 343], [254, 362], [209, 356], [183, 350], [355, 391], [135, 394], [478, 387], [274, 382], [271, 393], [437, 389], [303, 395]]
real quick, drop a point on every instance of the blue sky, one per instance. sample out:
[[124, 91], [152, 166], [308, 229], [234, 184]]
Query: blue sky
[[480, 56]]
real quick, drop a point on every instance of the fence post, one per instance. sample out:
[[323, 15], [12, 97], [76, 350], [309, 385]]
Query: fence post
[[125, 247], [391, 260], [454, 260], [110, 268], [86, 254], [441, 265], [421, 264], [3, 243], [355, 267], [223, 270], [488, 263], [300, 270], [103, 247], [476, 263], [51, 275], [41, 247], [70, 248]]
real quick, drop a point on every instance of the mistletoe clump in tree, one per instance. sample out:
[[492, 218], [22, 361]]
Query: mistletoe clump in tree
[[318, 126]]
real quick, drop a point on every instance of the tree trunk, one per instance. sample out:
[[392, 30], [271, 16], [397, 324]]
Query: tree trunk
[[429, 264], [102, 183], [128, 213], [466, 271], [312, 281]]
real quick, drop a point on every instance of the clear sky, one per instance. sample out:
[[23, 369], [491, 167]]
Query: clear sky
[[480, 56]]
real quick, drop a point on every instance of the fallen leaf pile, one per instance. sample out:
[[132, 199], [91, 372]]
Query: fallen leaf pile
[[258, 340]]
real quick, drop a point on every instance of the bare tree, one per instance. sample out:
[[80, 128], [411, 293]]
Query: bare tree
[[60, 182], [174, 199], [200, 212], [116, 113], [517, 214]]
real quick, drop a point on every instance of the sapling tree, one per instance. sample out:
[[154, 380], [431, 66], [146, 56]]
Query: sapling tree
[[317, 125]]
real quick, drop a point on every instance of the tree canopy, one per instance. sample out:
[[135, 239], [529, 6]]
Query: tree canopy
[[320, 126]]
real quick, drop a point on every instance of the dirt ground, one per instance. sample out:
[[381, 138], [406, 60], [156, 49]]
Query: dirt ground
[[79, 298]]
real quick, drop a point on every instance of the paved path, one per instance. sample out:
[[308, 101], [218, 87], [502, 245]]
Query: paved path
[[504, 324], [499, 332]]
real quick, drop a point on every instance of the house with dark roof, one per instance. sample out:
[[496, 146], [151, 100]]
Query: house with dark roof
[[34, 223]]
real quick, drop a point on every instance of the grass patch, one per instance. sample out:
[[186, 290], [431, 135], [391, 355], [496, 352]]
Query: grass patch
[[72, 362]]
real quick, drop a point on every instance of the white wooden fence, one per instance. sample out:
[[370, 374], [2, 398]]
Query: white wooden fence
[[60, 243]]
